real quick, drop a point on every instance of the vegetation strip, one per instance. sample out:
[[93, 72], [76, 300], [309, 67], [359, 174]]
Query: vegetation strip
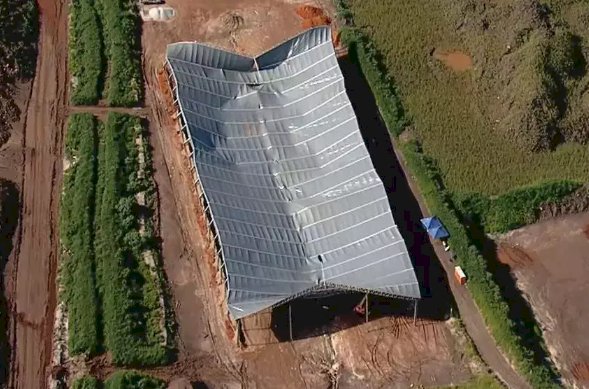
[[86, 382], [77, 234], [133, 380], [86, 60], [109, 248], [513, 209], [122, 30], [485, 291], [130, 294], [120, 380]]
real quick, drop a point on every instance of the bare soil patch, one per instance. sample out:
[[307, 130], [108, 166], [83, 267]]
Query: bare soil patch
[[31, 276], [550, 261], [455, 60]]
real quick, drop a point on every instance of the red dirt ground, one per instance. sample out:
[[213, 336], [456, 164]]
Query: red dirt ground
[[384, 351], [33, 290], [550, 261]]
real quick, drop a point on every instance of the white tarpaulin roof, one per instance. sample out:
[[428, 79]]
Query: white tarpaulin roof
[[291, 187]]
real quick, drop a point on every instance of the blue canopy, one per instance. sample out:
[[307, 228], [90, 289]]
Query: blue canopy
[[434, 227]]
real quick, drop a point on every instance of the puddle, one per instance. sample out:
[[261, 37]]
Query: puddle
[[455, 60]]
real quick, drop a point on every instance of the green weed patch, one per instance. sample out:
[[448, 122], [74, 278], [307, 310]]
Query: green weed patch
[[85, 53], [77, 234], [129, 292], [122, 31]]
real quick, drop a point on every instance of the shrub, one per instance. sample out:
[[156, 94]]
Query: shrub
[[85, 53], [122, 31], [133, 380], [86, 382], [566, 54], [76, 230], [513, 209]]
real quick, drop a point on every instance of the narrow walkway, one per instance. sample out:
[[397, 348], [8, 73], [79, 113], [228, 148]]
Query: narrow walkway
[[469, 312]]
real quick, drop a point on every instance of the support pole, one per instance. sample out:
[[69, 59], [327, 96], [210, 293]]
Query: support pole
[[290, 321], [238, 333], [366, 307], [414, 312]]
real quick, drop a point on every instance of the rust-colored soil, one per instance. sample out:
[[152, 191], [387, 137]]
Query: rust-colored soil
[[550, 261], [388, 349], [316, 21], [455, 60], [308, 11], [32, 287]]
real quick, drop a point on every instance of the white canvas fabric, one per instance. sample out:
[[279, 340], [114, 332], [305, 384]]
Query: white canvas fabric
[[290, 184]]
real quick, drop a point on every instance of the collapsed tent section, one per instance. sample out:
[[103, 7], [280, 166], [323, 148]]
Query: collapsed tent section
[[294, 198]]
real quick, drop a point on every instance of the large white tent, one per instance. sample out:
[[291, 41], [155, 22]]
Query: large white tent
[[295, 201]]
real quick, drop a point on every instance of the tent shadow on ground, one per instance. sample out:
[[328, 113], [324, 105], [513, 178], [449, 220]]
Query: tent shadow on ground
[[310, 318]]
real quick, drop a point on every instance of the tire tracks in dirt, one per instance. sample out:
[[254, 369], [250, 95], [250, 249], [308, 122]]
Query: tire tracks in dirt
[[34, 291]]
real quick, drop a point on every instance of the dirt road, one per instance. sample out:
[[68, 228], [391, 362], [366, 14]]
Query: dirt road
[[34, 288], [469, 313]]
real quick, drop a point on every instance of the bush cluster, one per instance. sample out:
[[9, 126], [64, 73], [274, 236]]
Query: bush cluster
[[120, 380], [129, 292], [77, 234], [133, 380], [512, 209], [122, 32], [105, 32], [86, 382], [85, 53], [110, 291], [485, 291]]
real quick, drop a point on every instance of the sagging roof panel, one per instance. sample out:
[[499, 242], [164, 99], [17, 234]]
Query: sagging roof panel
[[293, 193]]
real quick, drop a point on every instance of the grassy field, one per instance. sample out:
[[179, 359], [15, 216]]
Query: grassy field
[[109, 261], [451, 112]]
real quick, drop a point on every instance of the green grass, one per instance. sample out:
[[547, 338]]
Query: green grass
[[445, 107], [132, 380], [121, 27], [85, 53], [479, 382], [485, 291], [129, 292], [77, 235], [86, 382]]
